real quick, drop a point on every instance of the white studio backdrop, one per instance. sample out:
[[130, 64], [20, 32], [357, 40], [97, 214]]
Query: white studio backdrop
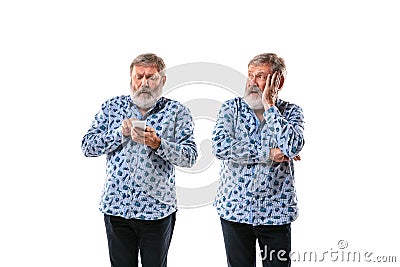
[[61, 59]]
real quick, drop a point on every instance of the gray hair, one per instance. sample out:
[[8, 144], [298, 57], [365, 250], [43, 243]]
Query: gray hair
[[149, 59], [272, 60]]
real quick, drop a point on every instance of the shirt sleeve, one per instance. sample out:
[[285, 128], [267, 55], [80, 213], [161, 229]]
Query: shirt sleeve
[[287, 132], [101, 138], [181, 149], [231, 142]]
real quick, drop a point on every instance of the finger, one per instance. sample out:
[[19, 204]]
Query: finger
[[124, 127], [149, 129], [137, 136], [278, 81], [285, 158], [149, 137], [281, 159], [133, 133], [138, 131], [272, 154], [269, 78], [265, 93], [273, 81]]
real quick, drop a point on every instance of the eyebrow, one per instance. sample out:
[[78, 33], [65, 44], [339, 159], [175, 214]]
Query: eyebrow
[[147, 75], [258, 72]]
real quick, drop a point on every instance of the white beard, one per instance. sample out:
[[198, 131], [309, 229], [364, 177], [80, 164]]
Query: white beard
[[254, 100], [145, 98]]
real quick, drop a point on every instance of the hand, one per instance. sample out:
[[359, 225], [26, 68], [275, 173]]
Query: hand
[[126, 126], [272, 87], [147, 137], [276, 155]]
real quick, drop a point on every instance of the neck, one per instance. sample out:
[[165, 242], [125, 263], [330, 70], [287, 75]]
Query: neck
[[143, 111], [259, 113]]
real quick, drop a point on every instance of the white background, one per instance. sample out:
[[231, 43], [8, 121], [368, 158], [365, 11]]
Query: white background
[[61, 59]]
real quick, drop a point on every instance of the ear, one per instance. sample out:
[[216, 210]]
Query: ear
[[164, 79], [281, 83]]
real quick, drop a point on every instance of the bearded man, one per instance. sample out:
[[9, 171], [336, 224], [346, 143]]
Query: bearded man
[[257, 138], [139, 197]]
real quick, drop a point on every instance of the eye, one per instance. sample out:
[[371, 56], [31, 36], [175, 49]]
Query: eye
[[261, 76], [153, 77]]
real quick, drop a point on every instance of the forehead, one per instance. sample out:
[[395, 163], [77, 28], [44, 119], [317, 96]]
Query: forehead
[[259, 68], [145, 69]]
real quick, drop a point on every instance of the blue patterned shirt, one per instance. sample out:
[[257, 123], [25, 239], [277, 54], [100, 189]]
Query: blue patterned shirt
[[140, 181], [253, 189]]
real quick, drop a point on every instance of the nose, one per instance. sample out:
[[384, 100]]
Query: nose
[[144, 81], [252, 80]]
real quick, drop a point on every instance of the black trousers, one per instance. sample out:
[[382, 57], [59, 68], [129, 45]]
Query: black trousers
[[128, 237], [240, 244]]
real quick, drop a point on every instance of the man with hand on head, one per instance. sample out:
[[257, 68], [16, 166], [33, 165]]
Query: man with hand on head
[[257, 138], [139, 196]]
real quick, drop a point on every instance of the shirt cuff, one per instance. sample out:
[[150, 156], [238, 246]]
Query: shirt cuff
[[161, 150]]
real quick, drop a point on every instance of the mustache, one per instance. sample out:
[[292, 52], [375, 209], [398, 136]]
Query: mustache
[[144, 89], [254, 89]]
